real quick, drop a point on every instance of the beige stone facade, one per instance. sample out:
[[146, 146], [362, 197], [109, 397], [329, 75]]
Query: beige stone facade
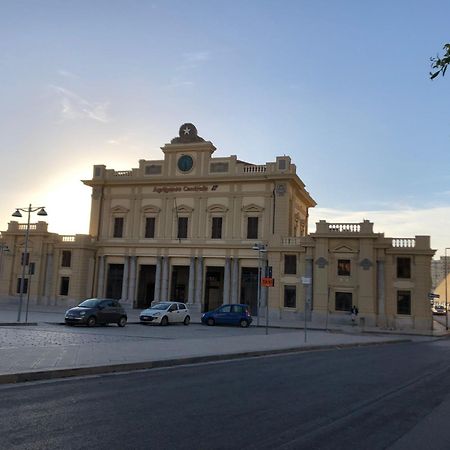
[[196, 228]]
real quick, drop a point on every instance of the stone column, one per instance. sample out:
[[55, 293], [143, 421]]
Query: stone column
[[309, 287], [101, 276], [191, 290], [235, 281], [132, 280], [125, 278], [157, 296], [165, 279], [48, 277], [381, 300], [199, 282], [226, 281]]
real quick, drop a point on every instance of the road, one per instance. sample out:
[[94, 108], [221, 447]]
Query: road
[[388, 396]]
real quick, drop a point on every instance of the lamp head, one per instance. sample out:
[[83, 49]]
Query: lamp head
[[17, 213], [42, 212]]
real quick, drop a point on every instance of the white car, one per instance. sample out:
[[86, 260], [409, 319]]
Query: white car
[[164, 313]]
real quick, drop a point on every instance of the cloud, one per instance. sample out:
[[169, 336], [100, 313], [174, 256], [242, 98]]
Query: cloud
[[401, 223], [67, 74], [75, 107], [184, 72], [192, 60]]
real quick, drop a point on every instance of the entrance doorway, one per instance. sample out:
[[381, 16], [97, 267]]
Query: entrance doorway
[[249, 288], [114, 281], [179, 286], [146, 287], [213, 288]]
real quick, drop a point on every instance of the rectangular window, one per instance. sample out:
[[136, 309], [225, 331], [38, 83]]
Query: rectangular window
[[118, 227], [66, 258], [344, 267], [216, 232], [252, 228], [343, 301], [182, 227], [64, 287], [290, 264], [24, 259], [404, 302], [289, 296], [150, 227], [25, 285], [403, 267]]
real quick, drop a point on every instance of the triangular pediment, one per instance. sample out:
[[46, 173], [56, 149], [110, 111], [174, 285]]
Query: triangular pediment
[[216, 208], [183, 209], [252, 208], [344, 249], [119, 209], [151, 209]]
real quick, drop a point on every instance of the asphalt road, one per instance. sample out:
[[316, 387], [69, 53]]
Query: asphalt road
[[390, 396]]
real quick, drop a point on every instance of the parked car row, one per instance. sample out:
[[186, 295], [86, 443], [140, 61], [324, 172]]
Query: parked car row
[[103, 311]]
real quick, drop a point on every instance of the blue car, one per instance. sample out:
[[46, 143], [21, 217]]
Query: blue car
[[235, 314]]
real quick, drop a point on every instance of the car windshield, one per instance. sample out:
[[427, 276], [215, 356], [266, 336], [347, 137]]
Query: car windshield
[[90, 303], [160, 306]]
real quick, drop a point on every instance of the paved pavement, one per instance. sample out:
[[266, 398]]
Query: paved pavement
[[47, 349]]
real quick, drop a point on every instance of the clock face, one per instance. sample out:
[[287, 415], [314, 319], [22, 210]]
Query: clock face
[[185, 163]]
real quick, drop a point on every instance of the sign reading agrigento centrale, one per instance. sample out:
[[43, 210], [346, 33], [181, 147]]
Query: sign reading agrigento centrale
[[198, 188]]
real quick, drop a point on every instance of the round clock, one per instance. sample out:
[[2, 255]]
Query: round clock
[[185, 163]]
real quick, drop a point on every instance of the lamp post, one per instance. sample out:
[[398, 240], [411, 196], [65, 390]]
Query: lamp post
[[17, 213], [261, 248], [446, 302]]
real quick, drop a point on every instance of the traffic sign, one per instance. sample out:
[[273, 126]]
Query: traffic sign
[[267, 282]]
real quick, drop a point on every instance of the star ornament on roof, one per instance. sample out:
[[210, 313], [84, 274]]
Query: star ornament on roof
[[186, 130]]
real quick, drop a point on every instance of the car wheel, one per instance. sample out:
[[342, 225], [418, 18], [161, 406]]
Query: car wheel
[[122, 321], [243, 323], [164, 321], [91, 321], [211, 321], [187, 320]]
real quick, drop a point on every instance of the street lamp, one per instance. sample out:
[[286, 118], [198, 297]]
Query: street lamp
[[261, 248], [17, 213], [446, 312]]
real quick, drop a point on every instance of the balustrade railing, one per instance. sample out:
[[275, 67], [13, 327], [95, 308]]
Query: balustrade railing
[[344, 227], [403, 242], [254, 169]]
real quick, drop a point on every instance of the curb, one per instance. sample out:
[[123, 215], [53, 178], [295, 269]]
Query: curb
[[17, 324], [127, 367]]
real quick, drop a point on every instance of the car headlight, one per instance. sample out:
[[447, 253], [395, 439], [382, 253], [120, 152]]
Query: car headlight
[[82, 313], [156, 314]]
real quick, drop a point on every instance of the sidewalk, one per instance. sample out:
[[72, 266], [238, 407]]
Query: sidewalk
[[48, 352]]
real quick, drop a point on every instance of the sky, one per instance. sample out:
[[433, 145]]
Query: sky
[[341, 86]]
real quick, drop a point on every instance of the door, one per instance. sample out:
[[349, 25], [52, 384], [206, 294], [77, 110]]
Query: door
[[224, 314], [173, 313]]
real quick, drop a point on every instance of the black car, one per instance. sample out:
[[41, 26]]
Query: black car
[[97, 311]]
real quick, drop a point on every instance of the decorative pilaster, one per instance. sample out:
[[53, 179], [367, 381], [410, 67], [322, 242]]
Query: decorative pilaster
[[48, 276], [191, 289], [199, 282], [309, 287], [381, 300], [165, 280], [132, 280], [157, 296], [226, 281], [235, 281], [124, 295], [101, 276]]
